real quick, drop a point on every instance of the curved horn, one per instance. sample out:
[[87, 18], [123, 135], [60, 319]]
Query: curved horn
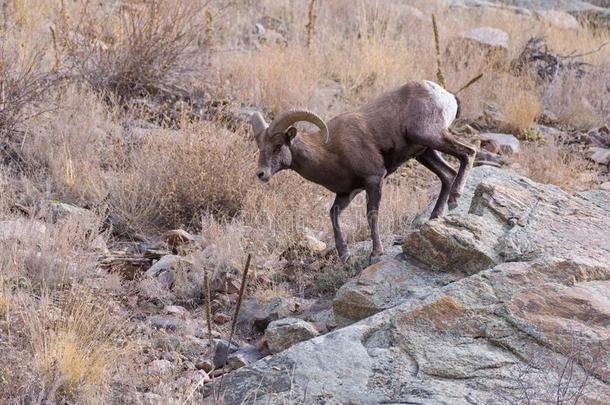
[[258, 123], [286, 119]]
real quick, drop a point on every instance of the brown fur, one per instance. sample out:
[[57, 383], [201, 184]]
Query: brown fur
[[367, 145]]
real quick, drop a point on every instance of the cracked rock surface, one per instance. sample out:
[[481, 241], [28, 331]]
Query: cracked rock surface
[[505, 299]]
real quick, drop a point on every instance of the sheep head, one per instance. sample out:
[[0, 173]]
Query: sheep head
[[274, 140]]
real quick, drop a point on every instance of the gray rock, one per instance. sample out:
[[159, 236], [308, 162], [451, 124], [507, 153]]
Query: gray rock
[[510, 218], [471, 342], [487, 36], [599, 155], [548, 133], [243, 357], [205, 365], [284, 333], [61, 211], [558, 19], [176, 310], [599, 196], [256, 316], [221, 352], [384, 285], [509, 145], [483, 337], [488, 42], [475, 177], [585, 12], [166, 263], [160, 366], [22, 230], [160, 322]]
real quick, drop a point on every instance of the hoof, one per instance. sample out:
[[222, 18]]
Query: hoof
[[452, 205], [345, 257], [374, 259]]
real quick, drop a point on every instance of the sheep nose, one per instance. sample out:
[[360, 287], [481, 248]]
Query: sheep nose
[[262, 175]]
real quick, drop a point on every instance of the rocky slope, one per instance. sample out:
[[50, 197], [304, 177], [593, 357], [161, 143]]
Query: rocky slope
[[505, 299]]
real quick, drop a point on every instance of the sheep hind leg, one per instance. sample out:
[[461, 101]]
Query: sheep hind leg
[[465, 154], [341, 203], [433, 161]]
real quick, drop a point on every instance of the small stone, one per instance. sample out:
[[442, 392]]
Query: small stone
[[254, 315], [490, 146], [205, 365], [150, 398], [178, 237], [220, 355], [488, 36], [221, 318], [284, 333], [164, 323], [558, 19], [508, 144], [160, 366], [166, 263], [243, 357], [200, 377], [167, 278], [175, 310], [599, 155]]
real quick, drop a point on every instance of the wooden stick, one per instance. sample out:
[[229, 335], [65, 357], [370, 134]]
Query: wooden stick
[[208, 309], [242, 289], [437, 44]]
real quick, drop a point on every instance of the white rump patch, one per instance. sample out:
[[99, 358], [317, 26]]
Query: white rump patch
[[444, 100]]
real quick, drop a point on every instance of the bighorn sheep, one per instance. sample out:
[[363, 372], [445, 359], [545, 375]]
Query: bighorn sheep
[[357, 150]]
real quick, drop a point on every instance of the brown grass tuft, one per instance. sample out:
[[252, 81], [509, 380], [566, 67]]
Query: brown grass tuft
[[548, 163], [76, 342]]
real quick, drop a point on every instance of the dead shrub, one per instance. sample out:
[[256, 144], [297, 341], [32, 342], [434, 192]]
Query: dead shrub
[[581, 102], [69, 149], [45, 255], [174, 176], [24, 83], [137, 49]]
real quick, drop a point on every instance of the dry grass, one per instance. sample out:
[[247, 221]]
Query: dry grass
[[77, 143], [133, 49], [520, 104], [76, 342], [548, 163], [171, 177]]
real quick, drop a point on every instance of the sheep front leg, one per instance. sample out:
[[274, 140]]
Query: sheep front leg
[[341, 202], [373, 196]]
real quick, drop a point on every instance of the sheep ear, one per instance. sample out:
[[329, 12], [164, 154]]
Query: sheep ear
[[290, 134]]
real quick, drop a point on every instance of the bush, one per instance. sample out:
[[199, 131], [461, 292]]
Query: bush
[[23, 84], [145, 48]]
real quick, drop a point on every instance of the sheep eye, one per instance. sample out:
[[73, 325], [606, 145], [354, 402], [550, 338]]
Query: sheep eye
[[277, 148]]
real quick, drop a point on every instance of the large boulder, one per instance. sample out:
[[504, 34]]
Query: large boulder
[[587, 13], [526, 318], [385, 285], [511, 218], [488, 45]]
